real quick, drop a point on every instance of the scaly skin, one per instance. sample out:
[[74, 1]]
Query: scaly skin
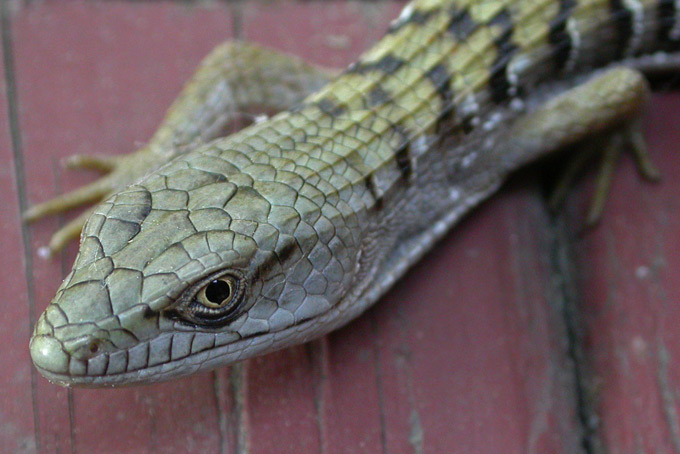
[[309, 217]]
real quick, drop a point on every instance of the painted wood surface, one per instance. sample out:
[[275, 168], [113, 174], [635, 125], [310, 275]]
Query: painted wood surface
[[517, 335]]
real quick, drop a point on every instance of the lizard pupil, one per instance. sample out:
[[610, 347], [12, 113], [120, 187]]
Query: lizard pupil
[[218, 291]]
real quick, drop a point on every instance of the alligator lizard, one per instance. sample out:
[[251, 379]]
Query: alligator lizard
[[295, 225]]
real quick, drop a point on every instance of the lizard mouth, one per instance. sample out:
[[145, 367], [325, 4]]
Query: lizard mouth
[[137, 365], [169, 355]]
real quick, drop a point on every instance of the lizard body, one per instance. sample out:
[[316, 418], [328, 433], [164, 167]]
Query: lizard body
[[293, 226]]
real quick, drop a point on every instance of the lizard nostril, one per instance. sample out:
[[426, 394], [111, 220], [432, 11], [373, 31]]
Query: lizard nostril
[[84, 347], [94, 346]]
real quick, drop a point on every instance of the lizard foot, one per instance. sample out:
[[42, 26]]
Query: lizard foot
[[610, 147], [121, 171]]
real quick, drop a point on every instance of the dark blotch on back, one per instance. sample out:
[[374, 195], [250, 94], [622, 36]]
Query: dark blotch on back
[[402, 153], [370, 185], [498, 81], [461, 24], [665, 16], [403, 157], [559, 37], [330, 107], [388, 64], [377, 96], [441, 79], [623, 21]]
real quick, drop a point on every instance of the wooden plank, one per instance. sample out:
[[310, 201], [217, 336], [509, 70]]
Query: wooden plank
[[467, 353], [478, 350], [330, 33], [16, 406]]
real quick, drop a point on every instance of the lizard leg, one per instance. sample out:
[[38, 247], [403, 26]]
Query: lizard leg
[[604, 112], [235, 79]]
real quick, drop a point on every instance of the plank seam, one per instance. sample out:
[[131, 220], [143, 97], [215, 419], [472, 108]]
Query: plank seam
[[20, 179], [566, 300]]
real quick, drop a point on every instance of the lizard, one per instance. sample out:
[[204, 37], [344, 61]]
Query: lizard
[[226, 247]]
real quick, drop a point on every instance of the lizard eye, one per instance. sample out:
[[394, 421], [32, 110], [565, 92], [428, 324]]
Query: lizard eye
[[213, 301], [219, 293]]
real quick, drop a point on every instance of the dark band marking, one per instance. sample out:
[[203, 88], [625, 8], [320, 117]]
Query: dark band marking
[[287, 250], [370, 185], [330, 107], [403, 158], [402, 154], [559, 37], [149, 313], [498, 80], [461, 24], [441, 79], [377, 96], [468, 124], [416, 17], [666, 17], [502, 19], [388, 64], [623, 21]]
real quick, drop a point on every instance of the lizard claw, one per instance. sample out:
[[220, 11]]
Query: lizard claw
[[92, 162], [610, 147], [638, 146], [64, 235], [91, 193], [121, 172]]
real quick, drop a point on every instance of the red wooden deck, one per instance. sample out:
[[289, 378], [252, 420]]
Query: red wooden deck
[[517, 335]]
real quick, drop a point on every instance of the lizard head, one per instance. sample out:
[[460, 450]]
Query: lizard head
[[191, 269]]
